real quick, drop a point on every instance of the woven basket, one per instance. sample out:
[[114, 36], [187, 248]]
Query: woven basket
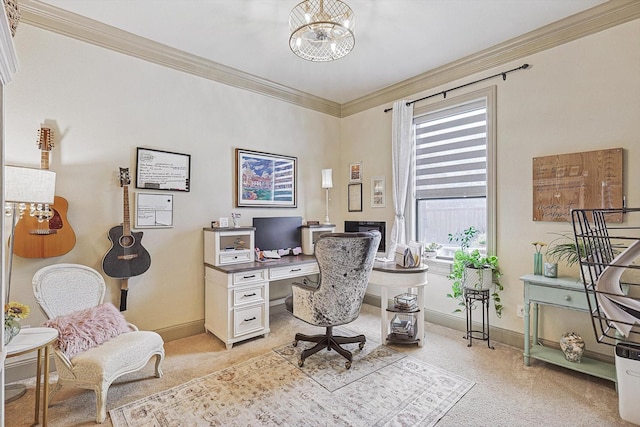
[[13, 14]]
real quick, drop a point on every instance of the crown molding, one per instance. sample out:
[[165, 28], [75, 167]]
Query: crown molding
[[8, 58], [598, 18], [47, 17]]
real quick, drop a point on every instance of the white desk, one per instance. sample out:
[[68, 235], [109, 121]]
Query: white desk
[[389, 275], [237, 295], [28, 340], [236, 305]]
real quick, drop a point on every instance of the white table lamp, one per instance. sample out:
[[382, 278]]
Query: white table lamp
[[327, 183], [21, 186]]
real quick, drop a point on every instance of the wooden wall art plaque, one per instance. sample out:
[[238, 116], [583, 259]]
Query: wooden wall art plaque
[[587, 180]]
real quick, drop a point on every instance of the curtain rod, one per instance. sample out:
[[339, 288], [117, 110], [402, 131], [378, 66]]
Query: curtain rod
[[444, 92]]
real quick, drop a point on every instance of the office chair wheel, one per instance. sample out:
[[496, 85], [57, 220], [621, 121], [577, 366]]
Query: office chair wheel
[[295, 343], [301, 363], [361, 345], [347, 364]]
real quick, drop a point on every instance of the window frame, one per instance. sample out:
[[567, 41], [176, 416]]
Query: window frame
[[490, 94]]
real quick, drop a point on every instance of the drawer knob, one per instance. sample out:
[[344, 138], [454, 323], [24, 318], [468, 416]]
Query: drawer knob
[[249, 277], [249, 320], [295, 269], [567, 297], [250, 295]]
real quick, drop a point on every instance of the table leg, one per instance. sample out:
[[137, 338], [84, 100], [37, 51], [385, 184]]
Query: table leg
[[383, 314], [45, 394], [535, 323], [527, 337], [38, 379], [421, 316]]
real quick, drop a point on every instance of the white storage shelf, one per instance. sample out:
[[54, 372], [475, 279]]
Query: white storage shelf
[[224, 246]]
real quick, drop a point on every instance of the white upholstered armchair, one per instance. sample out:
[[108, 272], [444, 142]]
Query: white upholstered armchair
[[95, 345]]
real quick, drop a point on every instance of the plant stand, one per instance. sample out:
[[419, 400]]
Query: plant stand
[[471, 296]]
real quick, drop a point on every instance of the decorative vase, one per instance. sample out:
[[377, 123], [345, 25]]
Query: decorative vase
[[572, 345], [11, 329], [537, 264], [550, 269], [236, 220]]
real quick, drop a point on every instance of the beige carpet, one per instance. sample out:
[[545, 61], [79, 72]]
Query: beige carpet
[[506, 393], [383, 388]]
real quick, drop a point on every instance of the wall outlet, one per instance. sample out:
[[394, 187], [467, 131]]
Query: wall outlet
[[520, 311]]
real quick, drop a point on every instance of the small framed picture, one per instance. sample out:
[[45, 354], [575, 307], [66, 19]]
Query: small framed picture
[[355, 172], [378, 192], [355, 197]]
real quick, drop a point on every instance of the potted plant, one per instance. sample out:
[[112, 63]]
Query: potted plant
[[431, 250], [563, 248], [471, 269]]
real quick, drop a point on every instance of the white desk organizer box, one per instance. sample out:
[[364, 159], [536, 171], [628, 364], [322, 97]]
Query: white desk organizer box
[[224, 245], [310, 234]]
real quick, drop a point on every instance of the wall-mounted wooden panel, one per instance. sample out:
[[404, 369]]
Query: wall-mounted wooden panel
[[591, 179]]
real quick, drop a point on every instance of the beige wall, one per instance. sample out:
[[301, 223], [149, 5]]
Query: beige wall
[[581, 96], [102, 106]]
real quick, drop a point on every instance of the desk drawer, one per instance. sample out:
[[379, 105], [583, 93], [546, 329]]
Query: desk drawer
[[234, 257], [247, 320], [277, 273], [248, 295], [247, 277], [566, 298]]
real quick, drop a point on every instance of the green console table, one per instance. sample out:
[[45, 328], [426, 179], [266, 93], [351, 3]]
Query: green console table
[[563, 292]]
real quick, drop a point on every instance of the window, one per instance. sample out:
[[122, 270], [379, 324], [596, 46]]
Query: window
[[453, 170]]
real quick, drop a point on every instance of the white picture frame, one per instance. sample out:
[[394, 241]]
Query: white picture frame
[[378, 192], [355, 172], [154, 210]]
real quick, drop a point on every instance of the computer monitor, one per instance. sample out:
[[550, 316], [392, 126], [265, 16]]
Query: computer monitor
[[381, 226], [273, 233]]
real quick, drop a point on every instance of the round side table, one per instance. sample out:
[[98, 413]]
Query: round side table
[[28, 340]]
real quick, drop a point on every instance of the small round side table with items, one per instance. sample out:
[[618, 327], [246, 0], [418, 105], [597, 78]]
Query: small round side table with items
[[28, 340]]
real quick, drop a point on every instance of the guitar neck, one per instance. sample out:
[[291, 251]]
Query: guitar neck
[[126, 226], [44, 159]]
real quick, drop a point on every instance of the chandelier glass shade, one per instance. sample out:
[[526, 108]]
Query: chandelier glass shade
[[321, 30]]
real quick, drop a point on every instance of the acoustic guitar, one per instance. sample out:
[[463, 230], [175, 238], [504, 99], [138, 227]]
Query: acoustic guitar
[[44, 231], [126, 257]]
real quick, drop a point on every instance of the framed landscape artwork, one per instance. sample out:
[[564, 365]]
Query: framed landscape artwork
[[265, 180]]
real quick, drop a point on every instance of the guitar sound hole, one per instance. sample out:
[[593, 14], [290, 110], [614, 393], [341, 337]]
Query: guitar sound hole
[[127, 241]]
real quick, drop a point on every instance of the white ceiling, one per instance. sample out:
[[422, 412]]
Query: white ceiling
[[395, 39]]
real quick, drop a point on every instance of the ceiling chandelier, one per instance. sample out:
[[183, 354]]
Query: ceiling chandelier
[[321, 30]]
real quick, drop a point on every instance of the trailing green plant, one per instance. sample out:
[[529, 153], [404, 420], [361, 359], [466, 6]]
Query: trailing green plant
[[464, 259]]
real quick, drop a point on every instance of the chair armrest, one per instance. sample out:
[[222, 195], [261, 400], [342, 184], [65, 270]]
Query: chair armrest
[[63, 358], [306, 286]]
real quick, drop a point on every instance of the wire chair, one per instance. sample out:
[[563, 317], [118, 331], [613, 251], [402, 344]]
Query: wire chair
[[609, 252]]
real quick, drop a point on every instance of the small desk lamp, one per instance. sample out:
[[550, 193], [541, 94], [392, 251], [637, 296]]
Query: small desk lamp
[[327, 183], [21, 186]]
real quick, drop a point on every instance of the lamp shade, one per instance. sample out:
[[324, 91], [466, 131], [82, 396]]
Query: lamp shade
[[28, 185], [327, 179]]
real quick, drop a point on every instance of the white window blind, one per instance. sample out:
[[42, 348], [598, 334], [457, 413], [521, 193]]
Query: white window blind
[[451, 152]]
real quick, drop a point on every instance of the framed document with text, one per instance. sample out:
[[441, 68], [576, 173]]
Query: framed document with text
[[355, 197], [162, 170]]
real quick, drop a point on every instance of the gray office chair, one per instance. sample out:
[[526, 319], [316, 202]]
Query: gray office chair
[[345, 261]]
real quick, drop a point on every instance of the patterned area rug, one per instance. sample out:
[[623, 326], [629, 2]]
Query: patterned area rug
[[382, 388]]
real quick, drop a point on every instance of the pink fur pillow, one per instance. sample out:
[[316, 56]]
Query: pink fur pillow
[[84, 329]]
